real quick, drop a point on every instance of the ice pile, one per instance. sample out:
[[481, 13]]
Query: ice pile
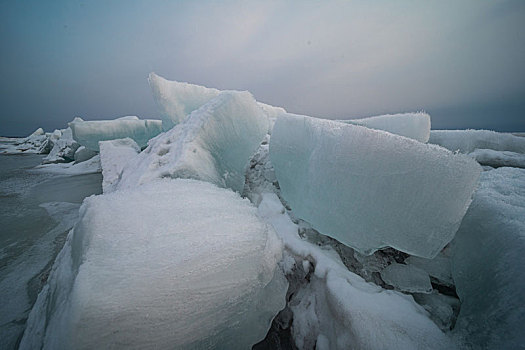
[[176, 100], [413, 125], [89, 133], [64, 147], [114, 155], [371, 189], [34, 143], [334, 308], [172, 264], [488, 260], [214, 144]]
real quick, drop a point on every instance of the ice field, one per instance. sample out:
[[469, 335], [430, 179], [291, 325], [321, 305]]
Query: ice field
[[231, 224]]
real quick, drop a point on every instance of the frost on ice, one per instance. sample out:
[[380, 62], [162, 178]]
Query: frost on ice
[[413, 125], [370, 189], [488, 260], [89, 133], [114, 155], [214, 144], [176, 100], [174, 263]]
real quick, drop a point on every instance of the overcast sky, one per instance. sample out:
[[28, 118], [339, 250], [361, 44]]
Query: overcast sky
[[461, 61]]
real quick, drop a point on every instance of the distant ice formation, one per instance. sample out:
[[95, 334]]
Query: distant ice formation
[[467, 141]]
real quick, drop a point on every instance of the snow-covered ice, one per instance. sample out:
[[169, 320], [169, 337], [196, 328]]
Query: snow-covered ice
[[172, 264], [467, 141], [89, 133], [498, 159], [214, 144], [413, 125], [64, 148], [114, 155], [31, 144], [371, 189], [488, 260], [176, 100], [89, 166], [336, 308]]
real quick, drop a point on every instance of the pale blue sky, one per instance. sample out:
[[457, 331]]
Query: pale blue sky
[[461, 61]]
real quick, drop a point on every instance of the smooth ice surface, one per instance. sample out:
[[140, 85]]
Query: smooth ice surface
[[438, 267], [488, 261], [176, 100], [407, 278], [89, 133], [498, 158], [413, 125], [339, 307], [467, 141], [214, 144], [371, 189], [64, 148], [172, 264], [114, 155]]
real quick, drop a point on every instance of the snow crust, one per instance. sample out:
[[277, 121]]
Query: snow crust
[[89, 133], [467, 141], [176, 100], [370, 189], [214, 144], [172, 264], [413, 125], [336, 308], [114, 155], [488, 260]]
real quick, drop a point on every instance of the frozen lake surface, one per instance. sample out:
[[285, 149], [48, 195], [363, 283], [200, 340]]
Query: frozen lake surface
[[37, 209]]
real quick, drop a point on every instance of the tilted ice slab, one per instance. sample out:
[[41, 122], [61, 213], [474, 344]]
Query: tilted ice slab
[[89, 133], [413, 125], [370, 189], [114, 155], [467, 141], [175, 264], [176, 100], [407, 278], [488, 261], [334, 308], [214, 144]]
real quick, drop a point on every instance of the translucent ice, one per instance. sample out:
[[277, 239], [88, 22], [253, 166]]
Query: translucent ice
[[114, 155], [407, 278], [177, 100], [173, 264], [488, 261], [82, 154], [413, 125], [89, 133], [214, 144], [467, 141], [439, 267], [370, 189]]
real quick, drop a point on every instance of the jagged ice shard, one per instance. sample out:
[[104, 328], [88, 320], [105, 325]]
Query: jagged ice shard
[[114, 155], [89, 133], [370, 189], [413, 125], [214, 144], [173, 264], [176, 100]]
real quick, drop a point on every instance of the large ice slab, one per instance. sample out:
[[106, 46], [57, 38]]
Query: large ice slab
[[114, 155], [413, 125], [488, 261], [371, 189], [214, 144], [176, 100], [175, 264], [89, 133], [64, 148], [467, 141]]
